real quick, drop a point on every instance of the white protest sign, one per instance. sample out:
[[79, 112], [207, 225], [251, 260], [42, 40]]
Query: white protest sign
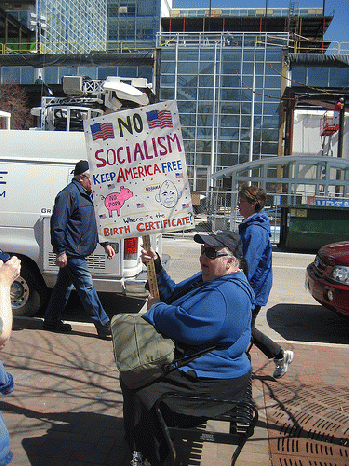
[[138, 172]]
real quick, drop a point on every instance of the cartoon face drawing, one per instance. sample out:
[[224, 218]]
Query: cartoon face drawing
[[168, 195]]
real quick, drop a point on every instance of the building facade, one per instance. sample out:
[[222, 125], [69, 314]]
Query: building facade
[[226, 68], [133, 24], [64, 26], [228, 88]]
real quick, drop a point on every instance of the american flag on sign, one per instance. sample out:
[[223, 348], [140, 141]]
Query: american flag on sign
[[159, 119], [102, 131], [111, 186], [179, 175], [103, 216], [140, 206]]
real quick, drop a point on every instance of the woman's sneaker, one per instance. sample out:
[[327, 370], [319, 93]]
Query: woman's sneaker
[[138, 460], [282, 364]]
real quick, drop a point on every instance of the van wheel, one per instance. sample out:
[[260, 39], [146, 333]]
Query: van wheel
[[25, 299]]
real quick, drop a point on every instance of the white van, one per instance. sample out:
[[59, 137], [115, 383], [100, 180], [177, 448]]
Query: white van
[[34, 166]]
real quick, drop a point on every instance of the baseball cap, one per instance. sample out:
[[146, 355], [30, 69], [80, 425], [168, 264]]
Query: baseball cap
[[228, 239], [81, 167]]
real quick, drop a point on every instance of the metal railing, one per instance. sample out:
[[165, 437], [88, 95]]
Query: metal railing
[[168, 39], [217, 210]]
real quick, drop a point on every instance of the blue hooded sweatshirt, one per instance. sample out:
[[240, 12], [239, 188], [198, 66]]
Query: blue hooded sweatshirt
[[217, 312], [255, 237]]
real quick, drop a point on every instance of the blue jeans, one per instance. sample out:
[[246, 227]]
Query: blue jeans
[[75, 274], [5, 453]]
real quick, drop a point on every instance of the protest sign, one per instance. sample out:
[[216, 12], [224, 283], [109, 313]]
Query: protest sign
[[138, 172]]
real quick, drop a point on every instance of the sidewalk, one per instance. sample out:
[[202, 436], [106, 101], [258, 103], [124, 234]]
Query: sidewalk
[[66, 409]]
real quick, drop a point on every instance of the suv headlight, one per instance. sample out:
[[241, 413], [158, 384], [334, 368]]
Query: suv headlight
[[340, 274]]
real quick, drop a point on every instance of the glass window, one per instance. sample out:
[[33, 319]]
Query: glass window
[[229, 120], [230, 107], [259, 82], [339, 77], [187, 68], [259, 68], [228, 147], [247, 68], [188, 55], [270, 108], [167, 79], [187, 80], [227, 159], [103, 73], [206, 93], [204, 132], [187, 93], [269, 148], [205, 120], [249, 56], [274, 55], [203, 146], [203, 159], [205, 81], [188, 133], [206, 68], [318, 77], [166, 93], [27, 75], [245, 134], [50, 75], [186, 106], [230, 94], [207, 55], [205, 107], [89, 71], [244, 149], [272, 82], [231, 68], [126, 72], [10, 75], [187, 119], [229, 133], [245, 121], [167, 67], [299, 75], [230, 81]]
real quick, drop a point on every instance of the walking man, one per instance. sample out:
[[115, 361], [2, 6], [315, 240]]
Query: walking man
[[74, 237]]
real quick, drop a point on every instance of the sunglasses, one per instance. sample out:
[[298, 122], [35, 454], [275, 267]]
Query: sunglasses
[[210, 252]]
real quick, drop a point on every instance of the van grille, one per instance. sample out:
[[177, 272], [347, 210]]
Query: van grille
[[94, 262]]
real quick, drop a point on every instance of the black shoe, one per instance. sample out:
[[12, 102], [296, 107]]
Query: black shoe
[[58, 326], [104, 332]]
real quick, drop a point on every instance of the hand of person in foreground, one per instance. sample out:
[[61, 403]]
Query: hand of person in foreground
[[151, 301], [9, 271], [147, 256]]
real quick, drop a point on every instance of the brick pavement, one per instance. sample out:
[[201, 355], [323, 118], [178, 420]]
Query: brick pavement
[[66, 409]]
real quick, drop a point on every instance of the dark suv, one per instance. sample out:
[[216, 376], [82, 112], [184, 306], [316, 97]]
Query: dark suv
[[328, 277]]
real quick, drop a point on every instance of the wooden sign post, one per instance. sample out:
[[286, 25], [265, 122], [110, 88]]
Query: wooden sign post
[[153, 284]]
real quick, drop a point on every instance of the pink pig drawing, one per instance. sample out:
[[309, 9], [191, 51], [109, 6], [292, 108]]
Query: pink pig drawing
[[114, 201]]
